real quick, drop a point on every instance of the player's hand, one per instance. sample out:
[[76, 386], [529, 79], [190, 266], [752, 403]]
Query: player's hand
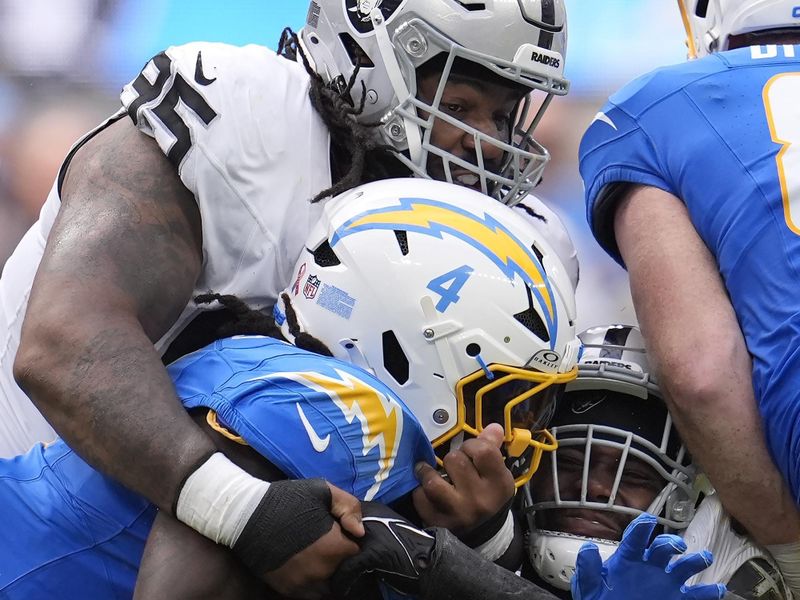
[[480, 485], [638, 572], [393, 550], [305, 529], [307, 574]]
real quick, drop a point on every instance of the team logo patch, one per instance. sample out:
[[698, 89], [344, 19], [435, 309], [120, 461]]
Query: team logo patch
[[374, 422], [363, 8], [311, 287], [485, 234], [358, 11]]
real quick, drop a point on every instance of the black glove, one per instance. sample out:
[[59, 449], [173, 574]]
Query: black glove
[[393, 549], [292, 515]]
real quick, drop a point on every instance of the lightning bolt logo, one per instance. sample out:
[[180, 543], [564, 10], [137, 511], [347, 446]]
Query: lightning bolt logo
[[486, 235], [381, 417]]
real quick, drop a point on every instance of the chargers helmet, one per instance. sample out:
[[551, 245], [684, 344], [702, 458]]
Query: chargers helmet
[[710, 23], [448, 297], [614, 403], [383, 42]]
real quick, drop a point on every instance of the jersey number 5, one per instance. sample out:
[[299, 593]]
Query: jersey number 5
[[781, 95]]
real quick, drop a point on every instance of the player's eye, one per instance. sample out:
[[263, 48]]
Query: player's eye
[[502, 121], [642, 477], [570, 461], [453, 107]]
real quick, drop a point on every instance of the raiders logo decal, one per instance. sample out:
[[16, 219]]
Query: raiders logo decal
[[359, 12]]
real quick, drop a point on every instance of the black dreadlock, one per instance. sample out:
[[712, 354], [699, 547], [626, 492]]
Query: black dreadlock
[[530, 211], [357, 153], [237, 318], [302, 339]]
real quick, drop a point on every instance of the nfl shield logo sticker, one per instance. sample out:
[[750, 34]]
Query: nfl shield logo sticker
[[311, 287]]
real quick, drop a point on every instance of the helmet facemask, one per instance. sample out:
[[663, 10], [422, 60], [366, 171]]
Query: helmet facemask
[[618, 455], [410, 126], [521, 400], [388, 41]]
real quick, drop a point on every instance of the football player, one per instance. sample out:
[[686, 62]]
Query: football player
[[420, 313], [690, 183], [619, 455], [450, 345], [205, 180]]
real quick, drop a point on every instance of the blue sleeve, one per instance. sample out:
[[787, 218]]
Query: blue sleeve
[[615, 151]]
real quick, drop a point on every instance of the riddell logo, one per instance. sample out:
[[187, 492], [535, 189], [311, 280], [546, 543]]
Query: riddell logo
[[550, 61]]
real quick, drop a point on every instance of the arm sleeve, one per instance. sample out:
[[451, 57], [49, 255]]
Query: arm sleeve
[[457, 572]]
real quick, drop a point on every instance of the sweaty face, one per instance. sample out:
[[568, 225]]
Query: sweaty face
[[486, 106], [637, 489]]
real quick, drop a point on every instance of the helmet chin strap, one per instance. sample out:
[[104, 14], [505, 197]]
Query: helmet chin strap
[[386, 48]]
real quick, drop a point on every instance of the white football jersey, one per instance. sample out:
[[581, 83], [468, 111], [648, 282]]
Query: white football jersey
[[238, 124], [711, 529]]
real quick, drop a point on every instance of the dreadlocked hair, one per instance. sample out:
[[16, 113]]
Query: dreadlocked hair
[[239, 319], [301, 338], [358, 154], [235, 318]]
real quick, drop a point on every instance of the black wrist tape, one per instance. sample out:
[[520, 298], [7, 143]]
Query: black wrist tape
[[292, 515], [486, 530]]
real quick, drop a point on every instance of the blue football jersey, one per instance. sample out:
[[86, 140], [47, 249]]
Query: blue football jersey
[[723, 134], [310, 415], [70, 532]]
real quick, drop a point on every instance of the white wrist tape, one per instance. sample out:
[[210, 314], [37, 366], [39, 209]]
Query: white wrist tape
[[787, 557], [218, 499], [497, 545]]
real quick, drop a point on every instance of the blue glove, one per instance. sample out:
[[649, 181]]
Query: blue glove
[[636, 572]]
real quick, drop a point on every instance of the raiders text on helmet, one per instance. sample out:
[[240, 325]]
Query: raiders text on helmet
[[522, 42]]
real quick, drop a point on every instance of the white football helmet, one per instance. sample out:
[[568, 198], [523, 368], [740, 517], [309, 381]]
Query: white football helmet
[[448, 297], [522, 41], [614, 403], [710, 23]]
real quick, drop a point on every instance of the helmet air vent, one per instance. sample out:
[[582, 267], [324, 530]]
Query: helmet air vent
[[402, 241], [356, 53], [472, 5], [531, 320], [394, 359], [701, 9], [324, 255], [538, 254]]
